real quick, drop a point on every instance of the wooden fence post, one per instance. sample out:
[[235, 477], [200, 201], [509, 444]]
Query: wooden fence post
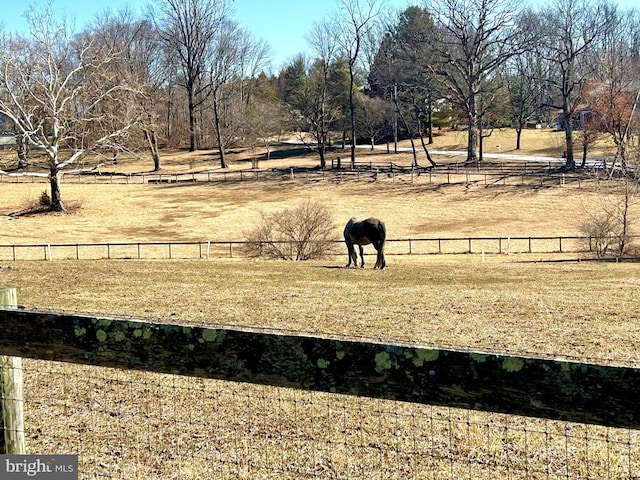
[[11, 400]]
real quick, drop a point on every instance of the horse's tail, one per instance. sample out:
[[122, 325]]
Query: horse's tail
[[382, 231]]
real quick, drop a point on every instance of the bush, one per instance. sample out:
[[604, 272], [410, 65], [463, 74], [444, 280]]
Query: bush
[[44, 200], [610, 225], [304, 232], [603, 234]]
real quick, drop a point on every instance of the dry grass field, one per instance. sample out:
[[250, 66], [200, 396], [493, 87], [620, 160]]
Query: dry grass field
[[507, 303], [214, 211]]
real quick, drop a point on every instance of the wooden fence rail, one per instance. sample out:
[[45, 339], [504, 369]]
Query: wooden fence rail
[[539, 387], [206, 249], [488, 174]]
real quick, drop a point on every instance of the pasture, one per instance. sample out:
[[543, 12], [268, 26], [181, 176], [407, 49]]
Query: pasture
[[579, 310], [137, 425], [508, 303]]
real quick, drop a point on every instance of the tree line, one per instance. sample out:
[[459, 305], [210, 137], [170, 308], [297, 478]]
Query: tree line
[[185, 74]]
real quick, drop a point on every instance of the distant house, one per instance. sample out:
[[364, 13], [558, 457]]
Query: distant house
[[7, 138], [579, 118], [7, 141]]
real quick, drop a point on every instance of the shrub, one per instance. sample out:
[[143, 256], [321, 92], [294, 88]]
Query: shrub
[[610, 225], [44, 200], [602, 232], [303, 232]]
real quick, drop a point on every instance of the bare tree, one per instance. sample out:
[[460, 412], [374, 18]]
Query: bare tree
[[57, 90], [140, 61], [523, 91], [475, 39], [189, 28], [569, 31], [359, 20], [321, 112], [235, 58], [612, 93], [302, 232], [262, 122], [373, 113], [609, 222]]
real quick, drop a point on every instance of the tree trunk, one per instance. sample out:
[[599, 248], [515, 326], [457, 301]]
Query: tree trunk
[[192, 121], [518, 136], [321, 154], [22, 145], [352, 108], [56, 197], [568, 132], [472, 137], [406, 125], [420, 134], [395, 119], [152, 142], [430, 120], [216, 116]]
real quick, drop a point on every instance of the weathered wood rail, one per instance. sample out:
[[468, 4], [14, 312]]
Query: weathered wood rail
[[549, 388], [483, 173]]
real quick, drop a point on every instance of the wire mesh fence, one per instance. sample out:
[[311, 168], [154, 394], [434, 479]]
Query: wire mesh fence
[[239, 248], [138, 425], [144, 400]]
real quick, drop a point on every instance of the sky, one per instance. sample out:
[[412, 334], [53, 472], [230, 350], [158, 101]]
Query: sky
[[281, 23]]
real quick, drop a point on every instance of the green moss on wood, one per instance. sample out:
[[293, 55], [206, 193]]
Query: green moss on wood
[[523, 386]]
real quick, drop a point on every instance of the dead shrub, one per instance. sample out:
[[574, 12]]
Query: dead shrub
[[609, 226], [44, 200], [303, 232], [42, 205]]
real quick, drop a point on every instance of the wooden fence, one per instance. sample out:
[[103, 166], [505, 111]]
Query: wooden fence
[[233, 248], [548, 388], [536, 387], [486, 174]]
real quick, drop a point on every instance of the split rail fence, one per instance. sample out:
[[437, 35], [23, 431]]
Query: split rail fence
[[380, 409], [514, 173]]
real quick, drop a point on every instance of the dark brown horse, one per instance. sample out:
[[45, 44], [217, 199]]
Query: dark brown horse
[[362, 233]]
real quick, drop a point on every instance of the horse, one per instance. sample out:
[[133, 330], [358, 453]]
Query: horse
[[362, 233]]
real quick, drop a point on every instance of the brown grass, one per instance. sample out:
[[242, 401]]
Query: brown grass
[[448, 300], [584, 310], [219, 211], [224, 212], [136, 425]]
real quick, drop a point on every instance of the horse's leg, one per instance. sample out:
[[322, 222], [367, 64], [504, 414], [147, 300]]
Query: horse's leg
[[351, 252], [380, 261], [361, 256]]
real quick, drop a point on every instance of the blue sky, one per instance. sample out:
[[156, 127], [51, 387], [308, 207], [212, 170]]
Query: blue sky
[[281, 23]]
